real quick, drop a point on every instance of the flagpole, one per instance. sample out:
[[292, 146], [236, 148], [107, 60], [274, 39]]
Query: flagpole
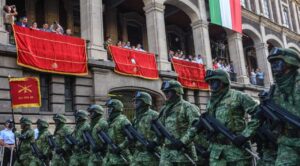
[[13, 118]]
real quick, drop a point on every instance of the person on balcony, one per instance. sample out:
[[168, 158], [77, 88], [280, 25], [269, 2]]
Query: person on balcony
[[46, 28], [57, 28], [23, 22], [34, 26]]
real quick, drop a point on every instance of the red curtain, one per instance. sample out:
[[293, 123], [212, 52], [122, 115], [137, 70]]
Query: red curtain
[[50, 52], [190, 74], [134, 63]]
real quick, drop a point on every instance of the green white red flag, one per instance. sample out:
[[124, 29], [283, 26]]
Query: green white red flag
[[226, 13]]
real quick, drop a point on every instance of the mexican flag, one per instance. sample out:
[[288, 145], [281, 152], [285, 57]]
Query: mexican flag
[[226, 13]]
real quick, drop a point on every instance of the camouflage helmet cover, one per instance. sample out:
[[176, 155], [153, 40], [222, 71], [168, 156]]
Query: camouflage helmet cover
[[81, 114], [172, 85], [96, 108], [289, 56], [25, 121], [116, 104], [217, 74], [42, 123], [60, 117], [145, 97]]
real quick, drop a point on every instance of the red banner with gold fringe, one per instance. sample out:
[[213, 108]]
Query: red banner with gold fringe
[[50, 52], [134, 63], [190, 74], [25, 92]]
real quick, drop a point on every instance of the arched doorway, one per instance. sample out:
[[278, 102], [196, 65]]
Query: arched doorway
[[250, 54], [126, 95]]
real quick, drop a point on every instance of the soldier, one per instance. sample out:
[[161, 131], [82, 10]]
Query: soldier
[[284, 63], [229, 107], [24, 154], [97, 123], [81, 150], [62, 152], [42, 144], [143, 117], [177, 115], [116, 124]]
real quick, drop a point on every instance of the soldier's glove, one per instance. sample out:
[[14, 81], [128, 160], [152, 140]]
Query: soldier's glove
[[178, 145], [59, 151], [116, 151], [151, 146], [239, 140], [43, 157], [22, 137]]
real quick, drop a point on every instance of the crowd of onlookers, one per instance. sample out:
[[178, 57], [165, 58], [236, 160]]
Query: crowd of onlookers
[[180, 55], [257, 77], [10, 15], [124, 44]]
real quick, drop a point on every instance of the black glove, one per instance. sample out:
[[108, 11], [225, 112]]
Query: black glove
[[240, 140], [151, 145], [43, 157], [116, 150], [178, 145], [59, 151]]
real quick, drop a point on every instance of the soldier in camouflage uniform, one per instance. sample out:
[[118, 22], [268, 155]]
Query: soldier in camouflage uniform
[[42, 143], [116, 124], [177, 115], [141, 122], [26, 137], [97, 123], [62, 152], [229, 107], [285, 63], [80, 154]]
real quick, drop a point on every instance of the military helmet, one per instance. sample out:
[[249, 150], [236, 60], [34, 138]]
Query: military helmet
[[25, 121], [145, 97], [115, 103], [96, 108], [217, 74], [60, 117], [81, 114], [42, 123], [289, 56], [172, 85]]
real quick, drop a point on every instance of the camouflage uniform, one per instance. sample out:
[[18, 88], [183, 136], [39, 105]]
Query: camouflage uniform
[[229, 107], [42, 143], [116, 123], [141, 122], [26, 138], [97, 123], [62, 155], [80, 154], [201, 140], [287, 95], [177, 115]]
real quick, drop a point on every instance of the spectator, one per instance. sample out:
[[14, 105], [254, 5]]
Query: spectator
[[133, 48], [231, 67], [253, 77], [119, 44], [7, 138], [107, 42], [56, 28], [139, 48], [123, 44], [46, 28], [170, 55], [199, 59], [127, 45], [215, 65], [23, 22], [259, 77], [9, 16], [36, 133], [69, 32], [34, 26]]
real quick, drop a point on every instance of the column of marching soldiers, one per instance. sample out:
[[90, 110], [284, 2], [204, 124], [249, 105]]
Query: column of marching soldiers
[[179, 134]]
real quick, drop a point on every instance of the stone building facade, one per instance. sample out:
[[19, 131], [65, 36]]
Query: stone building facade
[[159, 25]]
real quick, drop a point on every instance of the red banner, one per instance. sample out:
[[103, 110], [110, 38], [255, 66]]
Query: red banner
[[190, 74], [25, 92], [134, 63], [50, 52]]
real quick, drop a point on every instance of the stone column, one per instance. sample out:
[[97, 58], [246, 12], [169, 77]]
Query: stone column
[[91, 17], [3, 33], [156, 32], [262, 53], [278, 12], [296, 17], [237, 56], [201, 41], [257, 7]]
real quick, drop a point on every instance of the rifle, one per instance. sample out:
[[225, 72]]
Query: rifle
[[274, 112], [140, 138], [105, 139], [71, 140], [53, 146], [220, 128], [37, 153], [265, 135], [89, 139], [162, 132], [202, 151]]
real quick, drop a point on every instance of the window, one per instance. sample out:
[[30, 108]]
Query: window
[[69, 99], [286, 21], [266, 8], [45, 95]]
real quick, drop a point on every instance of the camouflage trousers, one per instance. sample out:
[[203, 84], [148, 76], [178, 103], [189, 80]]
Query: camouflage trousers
[[268, 157], [94, 161], [143, 158], [79, 159], [114, 159], [287, 156], [223, 162], [59, 161], [26, 160]]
